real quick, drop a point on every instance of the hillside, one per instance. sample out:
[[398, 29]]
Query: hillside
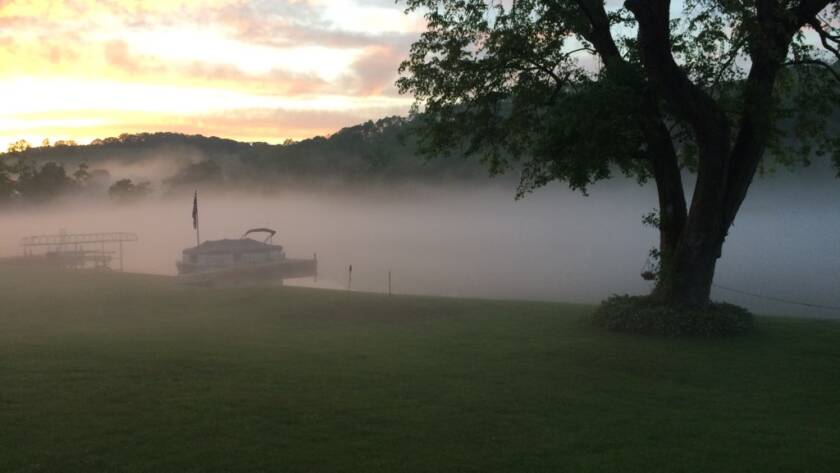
[[119, 372], [381, 150]]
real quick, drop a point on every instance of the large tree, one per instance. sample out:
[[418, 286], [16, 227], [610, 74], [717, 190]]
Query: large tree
[[577, 90]]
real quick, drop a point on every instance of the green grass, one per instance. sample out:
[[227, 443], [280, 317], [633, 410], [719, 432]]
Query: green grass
[[111, 373]]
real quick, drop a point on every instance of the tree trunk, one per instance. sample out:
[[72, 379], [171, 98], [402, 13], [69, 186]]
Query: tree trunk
[[666, 173], [688, 280], [724, 175], [725, 167], [686, 273]]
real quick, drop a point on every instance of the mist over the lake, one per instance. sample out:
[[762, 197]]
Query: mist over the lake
[[478, 241]]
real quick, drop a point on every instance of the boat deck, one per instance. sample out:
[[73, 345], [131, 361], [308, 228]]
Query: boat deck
[[254, 272]]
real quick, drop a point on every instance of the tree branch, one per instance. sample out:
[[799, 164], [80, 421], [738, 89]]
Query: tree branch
[[545, 69], [736, 48], [805, 11], [825, 37], [775, 30], [662, 156], [686, 99], [753, 131], [599, 33]]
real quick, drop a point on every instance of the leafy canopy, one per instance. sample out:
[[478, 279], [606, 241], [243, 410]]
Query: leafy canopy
[[518, 81]]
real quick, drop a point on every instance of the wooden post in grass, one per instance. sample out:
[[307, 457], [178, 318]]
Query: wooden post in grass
[[349, 277]]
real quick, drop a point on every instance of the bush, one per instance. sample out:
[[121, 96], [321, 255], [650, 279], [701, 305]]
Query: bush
[[126, 191], [644, 315]]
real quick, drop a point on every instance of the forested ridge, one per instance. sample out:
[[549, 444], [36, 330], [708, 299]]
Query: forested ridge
[[373, 151], [133, 166]]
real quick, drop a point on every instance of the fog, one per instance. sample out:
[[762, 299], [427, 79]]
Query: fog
[[478, 241]]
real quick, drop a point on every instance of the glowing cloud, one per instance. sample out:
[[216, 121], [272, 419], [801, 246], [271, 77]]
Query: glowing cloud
[[81, 69]]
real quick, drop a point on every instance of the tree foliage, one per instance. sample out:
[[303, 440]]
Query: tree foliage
[[25, 181], [380, 151], [529, 82], [18, 146], [126, 191]]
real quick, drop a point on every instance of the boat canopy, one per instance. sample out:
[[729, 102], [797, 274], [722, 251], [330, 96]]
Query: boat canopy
[[270, 232]]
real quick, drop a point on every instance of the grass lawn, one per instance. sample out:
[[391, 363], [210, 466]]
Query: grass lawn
[[112, 373]]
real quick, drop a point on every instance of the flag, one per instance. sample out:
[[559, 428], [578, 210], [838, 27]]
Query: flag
[[195, 210]]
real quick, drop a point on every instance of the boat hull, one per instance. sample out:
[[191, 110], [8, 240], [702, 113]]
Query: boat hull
[[253, 273]]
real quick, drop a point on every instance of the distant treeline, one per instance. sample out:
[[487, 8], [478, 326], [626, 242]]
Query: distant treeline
[[133, 165]]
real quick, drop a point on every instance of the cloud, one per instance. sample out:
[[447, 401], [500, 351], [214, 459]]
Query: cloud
[[151, 69], [118, 56], [248, 69], [278, 27], [296, 124], [375, 72]]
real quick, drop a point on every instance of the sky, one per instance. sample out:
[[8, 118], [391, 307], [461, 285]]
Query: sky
[[252, 70]]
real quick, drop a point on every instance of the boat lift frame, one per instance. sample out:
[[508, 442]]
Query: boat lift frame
[[76, 246]]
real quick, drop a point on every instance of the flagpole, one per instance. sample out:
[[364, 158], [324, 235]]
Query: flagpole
[[195, 220]]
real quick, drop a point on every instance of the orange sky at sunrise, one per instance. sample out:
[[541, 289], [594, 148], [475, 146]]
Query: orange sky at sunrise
[[252, 70]]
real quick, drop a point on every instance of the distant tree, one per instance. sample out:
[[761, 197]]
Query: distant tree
[[204, 172], [125, 191], [43, 183], [65, 143], [579, 89], [22, 167], [7, 184], [81, 175], [99, 178], [18, 146], [45, 143]]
